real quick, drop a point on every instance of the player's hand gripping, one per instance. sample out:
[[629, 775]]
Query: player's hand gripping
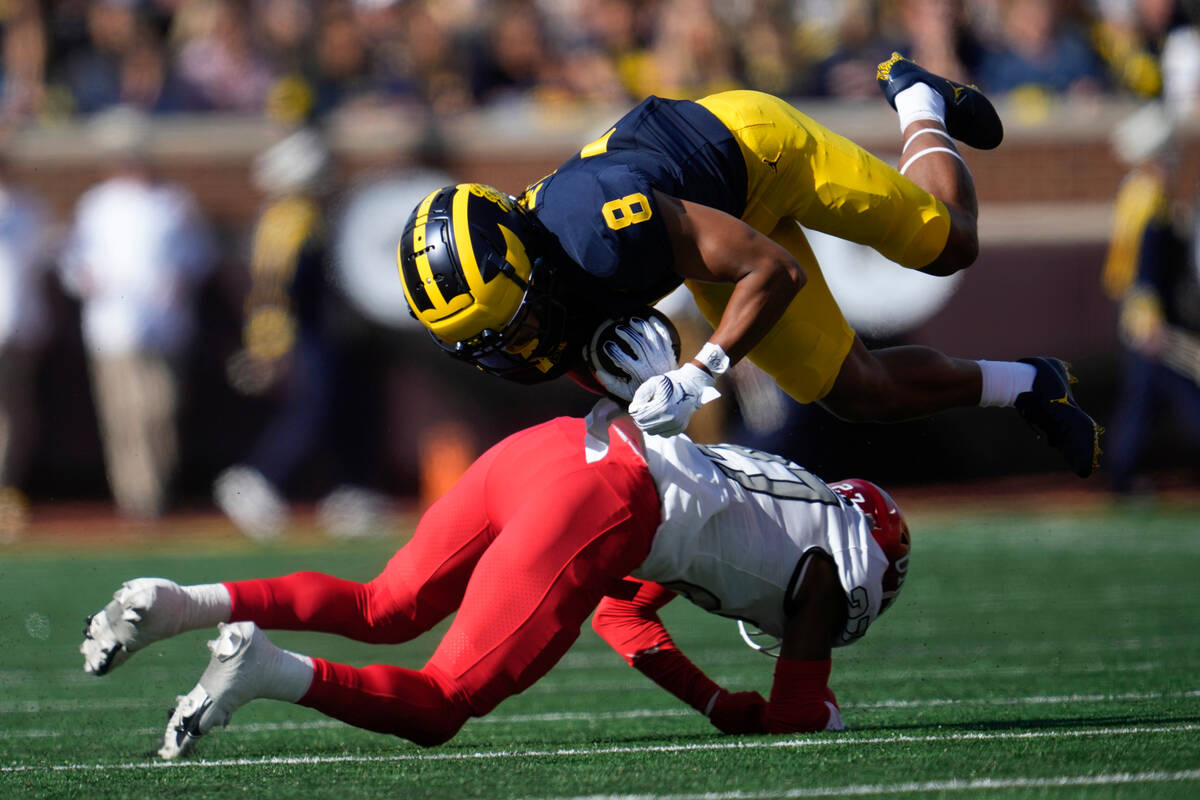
[[650, 353], [663, 405], [739, 712]]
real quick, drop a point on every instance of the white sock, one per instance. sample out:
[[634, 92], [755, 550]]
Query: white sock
[[291, 673], [1004, 380], [918, 102], [210, 604]]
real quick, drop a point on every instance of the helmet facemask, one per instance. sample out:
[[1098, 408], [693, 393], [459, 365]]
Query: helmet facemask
[[531, 347]]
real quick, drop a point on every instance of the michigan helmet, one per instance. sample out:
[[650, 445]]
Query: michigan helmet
[[888, 527], [470, 281]]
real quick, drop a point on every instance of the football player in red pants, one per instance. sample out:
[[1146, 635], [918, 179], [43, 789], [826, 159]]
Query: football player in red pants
[[531, 541], [540, 532]]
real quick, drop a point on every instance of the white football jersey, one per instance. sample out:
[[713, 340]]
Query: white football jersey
[[735, 524]]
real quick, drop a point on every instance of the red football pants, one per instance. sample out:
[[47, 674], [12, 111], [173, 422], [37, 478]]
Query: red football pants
[[523, 547]]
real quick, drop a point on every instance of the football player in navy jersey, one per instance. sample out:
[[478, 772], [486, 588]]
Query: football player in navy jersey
[[712, 194]]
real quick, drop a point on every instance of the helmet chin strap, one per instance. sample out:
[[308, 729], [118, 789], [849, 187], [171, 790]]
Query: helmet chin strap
[[510, 272]]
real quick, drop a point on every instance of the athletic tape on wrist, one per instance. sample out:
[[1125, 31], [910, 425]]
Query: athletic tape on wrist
[[926, 152], [713, 357]]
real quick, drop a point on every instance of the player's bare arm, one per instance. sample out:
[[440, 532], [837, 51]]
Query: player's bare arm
[[818, 612], [801, 699], [710, 245]]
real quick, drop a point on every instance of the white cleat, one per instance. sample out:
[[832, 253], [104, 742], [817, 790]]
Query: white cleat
[[183, 729], [142, 611], [242, 667]]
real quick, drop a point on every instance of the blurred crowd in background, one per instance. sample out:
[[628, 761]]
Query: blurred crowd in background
[[136, 256], [300, 57]]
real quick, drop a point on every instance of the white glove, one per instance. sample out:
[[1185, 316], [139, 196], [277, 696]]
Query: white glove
[[652, 354], [663, 404]]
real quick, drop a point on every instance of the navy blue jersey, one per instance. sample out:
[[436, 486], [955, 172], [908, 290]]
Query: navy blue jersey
[[599, 206]]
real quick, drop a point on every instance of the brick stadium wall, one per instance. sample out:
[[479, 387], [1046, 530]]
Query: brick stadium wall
[[1045, 196]]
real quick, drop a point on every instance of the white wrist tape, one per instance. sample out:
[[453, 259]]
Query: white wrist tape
[[713, 357], [926, 152]]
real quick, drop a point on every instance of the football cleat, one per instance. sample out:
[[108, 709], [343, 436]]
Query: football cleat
[[970, 117], [183, 725], [142, 611], [1051, 409], [239, 671]]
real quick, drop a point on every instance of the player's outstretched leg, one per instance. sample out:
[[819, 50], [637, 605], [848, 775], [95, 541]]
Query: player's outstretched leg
[[970, 117], [245, 666], [934, 112], [143, 611], [1051, 409], [910, 381]]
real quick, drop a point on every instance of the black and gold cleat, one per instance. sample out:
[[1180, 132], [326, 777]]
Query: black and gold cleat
[[970, 117], [1051, 409]]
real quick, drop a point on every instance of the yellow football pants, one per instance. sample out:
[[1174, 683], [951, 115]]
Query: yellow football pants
[[798, 171]]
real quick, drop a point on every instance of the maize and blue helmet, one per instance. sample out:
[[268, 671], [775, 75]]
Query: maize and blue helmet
[[484, 297]]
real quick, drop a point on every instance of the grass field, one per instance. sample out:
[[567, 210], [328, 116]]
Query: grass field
[[1031, 655]]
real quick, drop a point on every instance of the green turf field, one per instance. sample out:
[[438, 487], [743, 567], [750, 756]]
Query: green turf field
[[1039, 655]]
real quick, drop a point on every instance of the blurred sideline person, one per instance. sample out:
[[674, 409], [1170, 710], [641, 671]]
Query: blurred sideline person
[[289, 343], [541, 531], [137, 253], [711, 194], [24, 325], [1153, 271]]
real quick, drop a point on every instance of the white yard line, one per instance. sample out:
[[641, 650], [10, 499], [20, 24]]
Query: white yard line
[[70, 706], [754, 744]]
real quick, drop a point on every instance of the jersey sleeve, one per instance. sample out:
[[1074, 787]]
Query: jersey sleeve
[[608, 222], [632, 627]]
